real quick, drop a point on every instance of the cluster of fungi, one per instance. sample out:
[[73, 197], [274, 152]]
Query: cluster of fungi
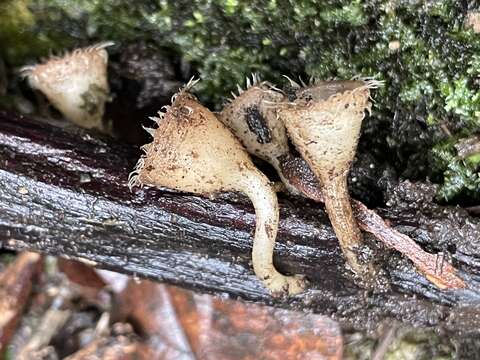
[[198, 151]]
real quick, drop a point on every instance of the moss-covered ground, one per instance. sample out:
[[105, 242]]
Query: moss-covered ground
[[427, 52]]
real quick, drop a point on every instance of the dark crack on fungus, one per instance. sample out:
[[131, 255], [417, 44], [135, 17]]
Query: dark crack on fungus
[[257, 124]]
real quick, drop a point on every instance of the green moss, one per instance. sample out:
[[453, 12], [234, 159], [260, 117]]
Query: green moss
[[351, 14], [16, 35], [459, 178], [7, 258], [474, 160], [231, 6], [422, 50], [462, 100]]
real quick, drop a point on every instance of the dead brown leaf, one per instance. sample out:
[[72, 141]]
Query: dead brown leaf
[[186, 325], [15, 288]]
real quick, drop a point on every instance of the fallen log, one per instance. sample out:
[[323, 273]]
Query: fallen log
[[65, 192]]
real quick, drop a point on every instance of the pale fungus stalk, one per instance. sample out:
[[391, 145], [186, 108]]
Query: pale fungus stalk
[[192, 151], [324, 122], [76, 84]]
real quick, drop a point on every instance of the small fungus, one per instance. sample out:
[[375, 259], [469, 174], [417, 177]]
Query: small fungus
[[252, 117], [192, 151], [323, 122], [76, 84]]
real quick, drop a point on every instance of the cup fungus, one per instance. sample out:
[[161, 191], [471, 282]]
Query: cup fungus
[[76, 84], [192, 151], [300, 177], [252, 117], [323, 121]]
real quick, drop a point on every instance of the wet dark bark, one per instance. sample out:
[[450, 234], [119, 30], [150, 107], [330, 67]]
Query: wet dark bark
[[64, 192]]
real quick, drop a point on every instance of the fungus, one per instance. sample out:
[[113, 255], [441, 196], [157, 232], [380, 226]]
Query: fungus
[[296, 174], [76, 84], [192, 151], [252, 117], [323, 121]]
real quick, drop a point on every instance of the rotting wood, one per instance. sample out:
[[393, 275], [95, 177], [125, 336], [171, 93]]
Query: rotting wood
[[65, 193]]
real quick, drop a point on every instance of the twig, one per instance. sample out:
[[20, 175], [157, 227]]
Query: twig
[[425, 262], [301, 177]]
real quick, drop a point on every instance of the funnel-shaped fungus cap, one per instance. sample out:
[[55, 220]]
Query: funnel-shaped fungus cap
[[193, 151], [252, 117], [76, 84], [322, 90], [324, 122]]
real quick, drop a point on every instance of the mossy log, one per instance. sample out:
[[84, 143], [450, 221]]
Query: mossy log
[[65, 192]]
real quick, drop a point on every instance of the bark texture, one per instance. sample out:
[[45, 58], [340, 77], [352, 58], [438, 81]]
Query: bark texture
[[64, 192]]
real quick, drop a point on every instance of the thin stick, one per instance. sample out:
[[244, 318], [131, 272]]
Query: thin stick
[[425, 262]]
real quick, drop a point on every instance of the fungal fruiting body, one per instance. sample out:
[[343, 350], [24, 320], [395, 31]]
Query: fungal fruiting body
[[324, 122], [297, 172], [76, 84], [192, 151], [252, 117]]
